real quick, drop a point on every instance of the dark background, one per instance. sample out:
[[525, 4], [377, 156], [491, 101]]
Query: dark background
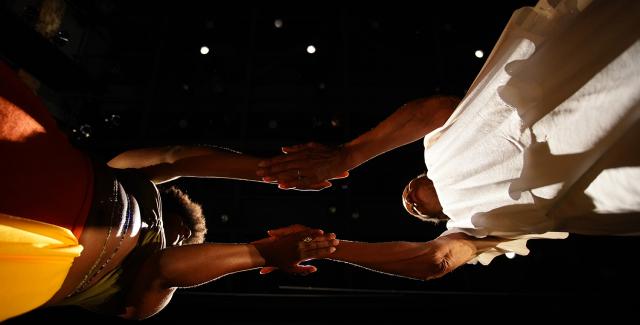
[[124, 74]]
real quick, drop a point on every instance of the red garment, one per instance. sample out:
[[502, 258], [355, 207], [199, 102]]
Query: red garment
[[42, 177]]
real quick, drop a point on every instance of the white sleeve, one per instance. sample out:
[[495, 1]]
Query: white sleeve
[[514, 244]]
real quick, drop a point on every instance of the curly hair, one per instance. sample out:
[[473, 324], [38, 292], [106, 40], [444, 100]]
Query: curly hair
[[176, 201]]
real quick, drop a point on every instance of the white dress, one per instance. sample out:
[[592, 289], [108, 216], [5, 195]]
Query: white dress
[[546, 141]]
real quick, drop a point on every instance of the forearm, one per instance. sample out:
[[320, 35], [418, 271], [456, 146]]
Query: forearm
[[215, 164], [192, 265], [408, 259], [168, 163], [144, 157], [409, 123], [424, 261]]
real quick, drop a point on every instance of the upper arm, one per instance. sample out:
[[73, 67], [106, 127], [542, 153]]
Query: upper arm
[[435, 110]]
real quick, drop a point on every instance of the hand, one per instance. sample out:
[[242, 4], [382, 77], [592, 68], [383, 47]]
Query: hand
[[305, 167], [287, 247]]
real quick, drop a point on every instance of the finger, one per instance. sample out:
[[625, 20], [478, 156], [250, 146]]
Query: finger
[[302, 186], [300, 147], [311, 246], [275, 171], [341, 175], [267, 269], [293, 165], [277, 160], [288, 230], [314, 187], [297, 147], [287, 176], [301, 269], [313, 233], [325, 237], [270, 180], [289, 182], [318, 253]]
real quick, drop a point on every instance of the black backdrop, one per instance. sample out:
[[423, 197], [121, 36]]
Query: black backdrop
[[124, 75]]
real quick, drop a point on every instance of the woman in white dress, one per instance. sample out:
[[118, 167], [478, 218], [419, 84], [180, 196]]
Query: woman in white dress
[[542, 145]]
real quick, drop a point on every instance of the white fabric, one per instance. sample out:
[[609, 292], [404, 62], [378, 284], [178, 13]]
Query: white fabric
[[545, 141]]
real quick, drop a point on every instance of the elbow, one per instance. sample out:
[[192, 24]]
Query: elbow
[[131, 313], [135, 313]]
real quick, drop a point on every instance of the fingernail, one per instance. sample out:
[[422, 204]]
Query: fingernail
[[332, 249]]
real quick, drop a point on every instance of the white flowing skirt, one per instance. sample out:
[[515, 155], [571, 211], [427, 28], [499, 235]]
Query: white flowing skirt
[[546, 141]]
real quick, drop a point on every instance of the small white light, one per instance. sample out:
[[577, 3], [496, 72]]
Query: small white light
[[311, 49], [510, 254], [277, 23], [204, 50], [479, 54]]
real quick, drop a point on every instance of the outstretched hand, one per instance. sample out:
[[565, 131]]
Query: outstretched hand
[[286, 247], [308, 166]]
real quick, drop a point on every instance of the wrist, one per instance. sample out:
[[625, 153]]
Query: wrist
[[256, 252], [350, 156]]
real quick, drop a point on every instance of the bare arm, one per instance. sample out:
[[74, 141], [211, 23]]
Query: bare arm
[[422, 261], [192, 265], [410, 122], [168, 163], [317, 164]]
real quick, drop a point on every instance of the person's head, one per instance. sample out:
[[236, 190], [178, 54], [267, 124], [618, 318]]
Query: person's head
[[420, 199], [182, 218]]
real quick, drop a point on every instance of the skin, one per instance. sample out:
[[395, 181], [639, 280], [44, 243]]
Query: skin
[[417, 260], [161, 271], [314, 163]]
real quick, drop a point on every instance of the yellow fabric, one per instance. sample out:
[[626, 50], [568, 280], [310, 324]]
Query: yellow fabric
[[35, 258]]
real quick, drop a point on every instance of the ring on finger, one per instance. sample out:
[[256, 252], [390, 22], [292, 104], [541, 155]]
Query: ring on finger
[[307, 239]]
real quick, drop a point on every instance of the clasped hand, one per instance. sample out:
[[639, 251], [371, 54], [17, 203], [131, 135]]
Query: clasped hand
[[308, 166], [286, 247]]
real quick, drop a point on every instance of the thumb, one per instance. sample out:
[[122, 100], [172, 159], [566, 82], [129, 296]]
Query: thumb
[[287, 230], [302, 269], [342, 175], [299, 147], [267, 270]]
